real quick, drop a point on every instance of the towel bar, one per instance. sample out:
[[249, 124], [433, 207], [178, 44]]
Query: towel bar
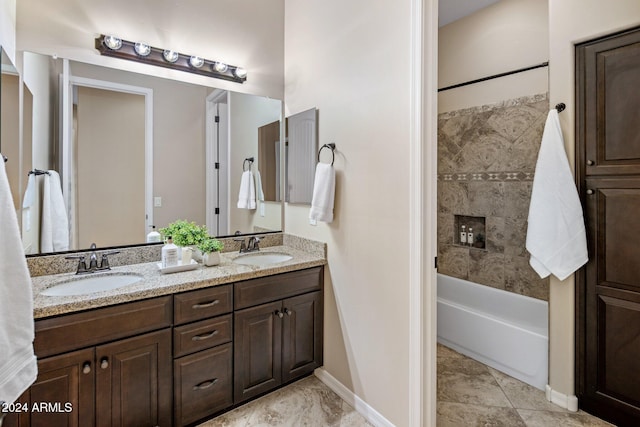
[[332, 147], [248, 159], [37, 172]]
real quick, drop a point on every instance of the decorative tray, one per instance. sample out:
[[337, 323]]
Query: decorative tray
[[176, 268]]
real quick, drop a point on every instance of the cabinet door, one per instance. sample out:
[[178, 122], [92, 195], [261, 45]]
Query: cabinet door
[[257, 350], [301, 335], [62, 395], [134, 381]]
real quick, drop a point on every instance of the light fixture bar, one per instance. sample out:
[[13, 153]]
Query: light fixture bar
[[127, 51]]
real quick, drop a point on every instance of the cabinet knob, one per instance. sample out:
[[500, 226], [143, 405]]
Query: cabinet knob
[[279, 314], [589, 192], [104, 363], [288, 312], [86, 368], [589, 162]]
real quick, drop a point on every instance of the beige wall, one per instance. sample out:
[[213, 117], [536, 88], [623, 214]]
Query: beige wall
[[570, 22], [351, 60], [246, 114], [506, 36], [242, 32]]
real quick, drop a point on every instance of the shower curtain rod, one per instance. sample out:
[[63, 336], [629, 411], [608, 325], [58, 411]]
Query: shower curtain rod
[[495, 76]]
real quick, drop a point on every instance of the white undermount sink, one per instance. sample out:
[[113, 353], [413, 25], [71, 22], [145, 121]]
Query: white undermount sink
[[261, 259], [90, 284]]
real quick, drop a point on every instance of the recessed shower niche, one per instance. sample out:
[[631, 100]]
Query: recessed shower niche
[[469, 231]]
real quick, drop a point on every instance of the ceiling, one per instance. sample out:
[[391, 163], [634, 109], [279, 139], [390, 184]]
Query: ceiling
[[452, 10]]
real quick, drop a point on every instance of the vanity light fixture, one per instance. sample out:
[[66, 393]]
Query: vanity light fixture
[[146, 54]]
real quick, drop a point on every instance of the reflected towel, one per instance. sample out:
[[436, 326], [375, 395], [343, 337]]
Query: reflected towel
[[55, 224], [324, 188], [247, 193], [18, 367], [28, 201], [259, 192], [556, 236]]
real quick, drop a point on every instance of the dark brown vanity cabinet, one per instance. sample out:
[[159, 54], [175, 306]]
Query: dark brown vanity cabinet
[[82, 382], [202, 369], [278, 330]]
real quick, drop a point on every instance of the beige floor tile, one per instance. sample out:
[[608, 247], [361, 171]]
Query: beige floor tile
[[556, 419], [522, 395], [446, 352], [452, 414]]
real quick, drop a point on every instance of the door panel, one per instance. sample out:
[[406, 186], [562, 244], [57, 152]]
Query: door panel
[[608, 287], [257, 351], [302, 332]]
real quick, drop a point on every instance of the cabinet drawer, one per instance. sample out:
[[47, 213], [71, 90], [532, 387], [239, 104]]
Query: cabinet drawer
[[203, 303], [202, 335], [73, 331], [265, 289], [202, 384]]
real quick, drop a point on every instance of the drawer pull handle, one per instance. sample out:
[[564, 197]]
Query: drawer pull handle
[[204, 336], [104, 363], [86, 368], [205, 384], [206, 304]]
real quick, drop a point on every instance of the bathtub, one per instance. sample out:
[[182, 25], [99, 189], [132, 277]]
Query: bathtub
[[506, 331]]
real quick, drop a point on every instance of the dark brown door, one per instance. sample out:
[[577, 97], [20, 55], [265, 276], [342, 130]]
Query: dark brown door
[[257, 350], [608, 291], [301, 335], [134, 381], [62, 395]]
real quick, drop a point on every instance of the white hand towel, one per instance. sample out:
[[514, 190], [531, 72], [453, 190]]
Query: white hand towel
[[556, 236], [28, 201], [55, 224], [247, 193], [324, 188], [259, 192], [18, 367]]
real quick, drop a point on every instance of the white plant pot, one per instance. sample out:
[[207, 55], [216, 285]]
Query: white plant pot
[[210, 259]]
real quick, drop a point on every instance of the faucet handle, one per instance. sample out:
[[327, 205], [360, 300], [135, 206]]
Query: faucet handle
[[243, 245], [82, 265], [104, 263]]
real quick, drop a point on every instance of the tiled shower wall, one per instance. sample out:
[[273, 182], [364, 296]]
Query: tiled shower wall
[[486, 161]]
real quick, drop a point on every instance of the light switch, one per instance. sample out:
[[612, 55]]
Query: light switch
[[157, 202]]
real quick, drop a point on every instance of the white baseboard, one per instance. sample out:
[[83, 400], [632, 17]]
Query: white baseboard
[[563, 400], [370, 414]]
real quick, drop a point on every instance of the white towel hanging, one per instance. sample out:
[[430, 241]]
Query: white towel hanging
[[18, 366], [55, 223], [324, 187], [556, 236], [247, 193]]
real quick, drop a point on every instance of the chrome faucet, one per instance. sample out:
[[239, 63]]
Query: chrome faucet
[[93, 261], [248, 247]]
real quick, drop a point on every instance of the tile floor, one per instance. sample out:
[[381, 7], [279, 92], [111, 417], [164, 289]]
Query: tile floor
[[469, 394]]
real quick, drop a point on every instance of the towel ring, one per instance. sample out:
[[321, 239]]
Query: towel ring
[[332, 147], [248, 159], [560, 107]]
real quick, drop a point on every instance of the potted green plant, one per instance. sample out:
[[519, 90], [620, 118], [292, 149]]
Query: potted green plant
[[185, 233], [210, 249]]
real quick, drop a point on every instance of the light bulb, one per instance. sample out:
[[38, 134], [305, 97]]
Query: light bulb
[[170, 55], [142, 49], [112, 42], [220, 67], [240, 72], [196, 61]]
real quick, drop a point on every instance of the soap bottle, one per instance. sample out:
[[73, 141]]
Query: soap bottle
[[169, 254], [153, 236], [463, 235], [470, 236]]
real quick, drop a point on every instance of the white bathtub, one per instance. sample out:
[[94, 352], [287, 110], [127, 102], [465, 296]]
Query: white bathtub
[[506, 331]]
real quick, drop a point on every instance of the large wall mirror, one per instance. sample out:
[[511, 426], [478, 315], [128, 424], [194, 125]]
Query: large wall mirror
[[134, 150]]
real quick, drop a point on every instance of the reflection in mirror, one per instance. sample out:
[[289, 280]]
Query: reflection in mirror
[[302, 149], [186, 148]]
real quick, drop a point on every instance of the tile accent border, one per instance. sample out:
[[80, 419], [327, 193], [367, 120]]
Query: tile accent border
[[487, 176], [523, 100]]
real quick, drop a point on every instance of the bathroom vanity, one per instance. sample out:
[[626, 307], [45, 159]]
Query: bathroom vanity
[[174, 349]]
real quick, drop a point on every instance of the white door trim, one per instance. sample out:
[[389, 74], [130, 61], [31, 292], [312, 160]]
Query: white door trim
[[67, 105]]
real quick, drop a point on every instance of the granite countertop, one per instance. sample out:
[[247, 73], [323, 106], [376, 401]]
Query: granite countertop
[[154, 283]]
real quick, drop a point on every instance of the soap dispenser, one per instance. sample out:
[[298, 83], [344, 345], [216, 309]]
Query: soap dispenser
[[153, 236], [169, 254], [463, 235]]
